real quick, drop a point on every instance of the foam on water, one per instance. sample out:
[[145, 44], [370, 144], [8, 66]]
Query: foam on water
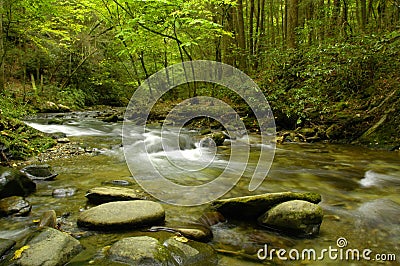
[[373, 179]]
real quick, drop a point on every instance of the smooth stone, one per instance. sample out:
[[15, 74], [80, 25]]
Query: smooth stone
[[187, 252], [251, 207], [48, 247], [117, 183], [121, 215], [194, 232], [63, 192], [5, 246], [141, 250], [15, 206], [63, 140], [106, 194], [15, 183], [298, 217], [39, 172], [49, 219]]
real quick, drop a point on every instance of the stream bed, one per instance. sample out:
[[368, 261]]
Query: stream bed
[[360, 191]]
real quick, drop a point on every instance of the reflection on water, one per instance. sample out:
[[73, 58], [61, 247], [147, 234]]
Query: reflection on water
[[359, 187]]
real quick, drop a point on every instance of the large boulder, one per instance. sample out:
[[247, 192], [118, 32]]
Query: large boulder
[[141, 250], [14, 205], [100, 195], [251, 207], [14, 183], [47, 248], [298, 217], [121, 215]]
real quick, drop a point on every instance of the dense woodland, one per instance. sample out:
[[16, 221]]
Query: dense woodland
[[314, 59]]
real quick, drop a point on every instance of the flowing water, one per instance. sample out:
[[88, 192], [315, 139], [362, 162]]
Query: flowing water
[[359, 187]]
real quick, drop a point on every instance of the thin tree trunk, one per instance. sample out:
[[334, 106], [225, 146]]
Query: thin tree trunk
[[2, 50], [293, 7], [241, 37], [251, 28]]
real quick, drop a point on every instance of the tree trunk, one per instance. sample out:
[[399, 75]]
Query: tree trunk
[[363, 17], [2, 50], [292, 20], [241, 37], [251, 28], [227, 41]]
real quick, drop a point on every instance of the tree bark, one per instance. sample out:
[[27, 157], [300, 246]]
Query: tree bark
[[292, 22], [2, 50], [363, 17], [241, 37]]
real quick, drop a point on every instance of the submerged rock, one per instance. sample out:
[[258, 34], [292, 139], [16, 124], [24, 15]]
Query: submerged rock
[[48, 247], [251, 207], [186, 252], [39, 172], [14, 205], [14, 183], [106, 194], [5, 246], [141, 250], [194, 232], [121, 215], [63, 192], [296, 217]]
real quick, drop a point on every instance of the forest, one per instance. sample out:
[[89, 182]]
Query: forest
[[331, 65]]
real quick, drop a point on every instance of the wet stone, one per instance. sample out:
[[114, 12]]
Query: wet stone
[[187, 252], [107, 194], [48, 247], [14, 183], [39, 172], [297, 217], [251, 207], [142, 250], [64, 192], [15, 206], [120, 215], [5, 245]]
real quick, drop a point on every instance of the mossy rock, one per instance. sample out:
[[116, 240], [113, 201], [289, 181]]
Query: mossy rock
[[251, 207], [298, 217]]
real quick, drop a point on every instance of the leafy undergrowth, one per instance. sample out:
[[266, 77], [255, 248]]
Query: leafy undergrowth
[[17, 140]]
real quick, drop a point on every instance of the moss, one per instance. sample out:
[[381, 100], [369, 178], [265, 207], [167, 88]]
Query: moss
[[250, 207], [20, 141]]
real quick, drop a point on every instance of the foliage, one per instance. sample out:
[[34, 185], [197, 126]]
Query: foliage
[[308, 83]]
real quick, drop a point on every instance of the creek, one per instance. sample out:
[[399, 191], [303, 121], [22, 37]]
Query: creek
[[360, 190]]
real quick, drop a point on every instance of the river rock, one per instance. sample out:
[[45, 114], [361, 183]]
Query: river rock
[[298, 217], [14, 205], [14, 183], [5, 245], [63, 140], [122, 215], [141, 250], [218, 138], [48, 247], [106, 194], [63, 192], [251, 207], [187, 252], [195, 232], [39, 172], [48, 219]]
